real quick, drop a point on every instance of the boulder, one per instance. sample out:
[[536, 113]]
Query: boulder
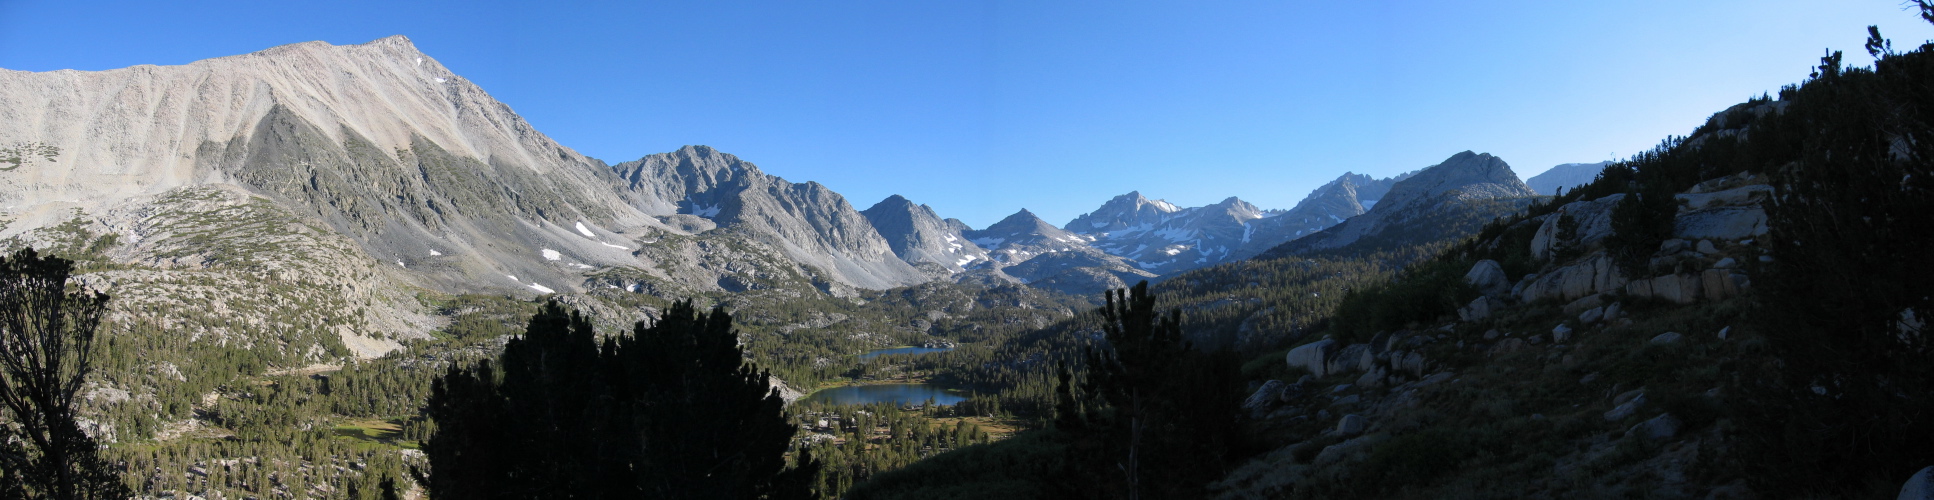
[[1681, 288], [1313, 356], [1726, 263], [1625, 409], [1591, 315], [1412, 363], [1265, 397], [1517, 290], [1747, 195], [1666, 338], [1351, 425], [1613, 311], [1920, 486], [1706, 247], [1672, 246], [1664, 426], [1718, 284], [1372, 378], [1594, 220], [1488, 277], [1593, 275], [1560, 333], [1348, 358], [1479, 309], [1724, 223]]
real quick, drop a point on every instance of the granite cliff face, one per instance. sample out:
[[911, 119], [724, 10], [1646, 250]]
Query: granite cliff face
[[811, 224], [918, 235]]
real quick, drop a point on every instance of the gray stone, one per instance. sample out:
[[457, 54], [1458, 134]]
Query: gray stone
[[1517, 290], [1706, 247], [1918, 487], [1612, 312], [1726, 263], [1724, 331], [1724, 223], [1594, 220], [1347, 400], [1718, 284], [1664, 426], [1672, 246], [1313, 356], [1265, 397], [1737, 196], [1340, 388], [1666, 338], [1590, 276], [1491, 334], [1349, 358], [1351, 425], [1560, 333], [1372, 378], [1591, 316], [1626, 409], [1412, 363], [1765, 258], [1478, 309], [1488, 277]]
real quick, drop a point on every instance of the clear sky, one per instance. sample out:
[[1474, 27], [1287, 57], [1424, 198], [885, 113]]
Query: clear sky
[[982, 108]]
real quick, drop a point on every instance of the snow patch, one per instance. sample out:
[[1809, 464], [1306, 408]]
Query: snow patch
[[440, 80], [542, 288], [550, 254], [585, 231], [419, 61], [620, 247], [400, 263], [706, 211], [1367, 204], [434, 253], [513, 278], [989, 242]]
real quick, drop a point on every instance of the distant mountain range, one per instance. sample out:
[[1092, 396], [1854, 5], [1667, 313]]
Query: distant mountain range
[[1566, 176], [427, 182]]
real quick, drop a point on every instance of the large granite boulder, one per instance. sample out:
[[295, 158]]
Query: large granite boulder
[[1488, 277], [1918, 487], [1593, 275], [1594, 220], [1313, 356]]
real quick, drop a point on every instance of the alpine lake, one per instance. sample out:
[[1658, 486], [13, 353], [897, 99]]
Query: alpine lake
[[898, 393]]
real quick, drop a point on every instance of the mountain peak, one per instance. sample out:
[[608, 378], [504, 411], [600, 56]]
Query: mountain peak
[[1122, 212]]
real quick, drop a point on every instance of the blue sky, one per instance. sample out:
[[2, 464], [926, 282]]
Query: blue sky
[[982, 108]]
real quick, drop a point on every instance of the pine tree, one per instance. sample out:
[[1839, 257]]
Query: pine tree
[[670, 411], [46, 352]]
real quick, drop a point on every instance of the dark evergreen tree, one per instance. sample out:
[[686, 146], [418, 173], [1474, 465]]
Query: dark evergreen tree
[[1848, 390], [1154, 416], [46, 352], [671, 411]]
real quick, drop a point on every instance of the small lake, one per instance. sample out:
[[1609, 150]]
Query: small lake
[[899, 393], [903, 350]]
